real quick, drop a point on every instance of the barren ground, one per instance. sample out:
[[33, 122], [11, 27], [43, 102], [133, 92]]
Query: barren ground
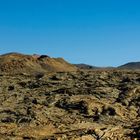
[[82, 105]]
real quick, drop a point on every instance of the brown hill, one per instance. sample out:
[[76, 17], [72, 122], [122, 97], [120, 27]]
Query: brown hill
[[16, 63]]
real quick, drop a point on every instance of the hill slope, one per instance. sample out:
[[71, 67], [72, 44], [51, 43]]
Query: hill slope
[[131, 65], [16, 62]]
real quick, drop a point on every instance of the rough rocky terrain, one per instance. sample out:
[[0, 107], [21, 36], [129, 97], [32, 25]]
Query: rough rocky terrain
[[43, 98], [80, 105]]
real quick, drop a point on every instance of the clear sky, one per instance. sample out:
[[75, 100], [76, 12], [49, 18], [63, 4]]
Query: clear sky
[[97, 32]]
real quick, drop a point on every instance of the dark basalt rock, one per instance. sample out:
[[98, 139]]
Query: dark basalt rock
[[11, 88], [43, 56], [109, 111], [81, 106], [7, 120]]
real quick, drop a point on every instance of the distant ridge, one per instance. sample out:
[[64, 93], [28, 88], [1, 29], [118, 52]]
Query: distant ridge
[[85, 66], [130, 65], [90, 67], [17, 62]]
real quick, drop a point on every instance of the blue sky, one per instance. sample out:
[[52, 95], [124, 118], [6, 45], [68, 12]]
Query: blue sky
[[96, 32]]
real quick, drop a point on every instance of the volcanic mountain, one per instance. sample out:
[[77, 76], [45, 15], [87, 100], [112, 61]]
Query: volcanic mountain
[[86, 66], [131, 65], [16, 63]]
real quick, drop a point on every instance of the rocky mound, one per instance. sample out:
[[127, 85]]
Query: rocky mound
[[131, 65], [16, 63]]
